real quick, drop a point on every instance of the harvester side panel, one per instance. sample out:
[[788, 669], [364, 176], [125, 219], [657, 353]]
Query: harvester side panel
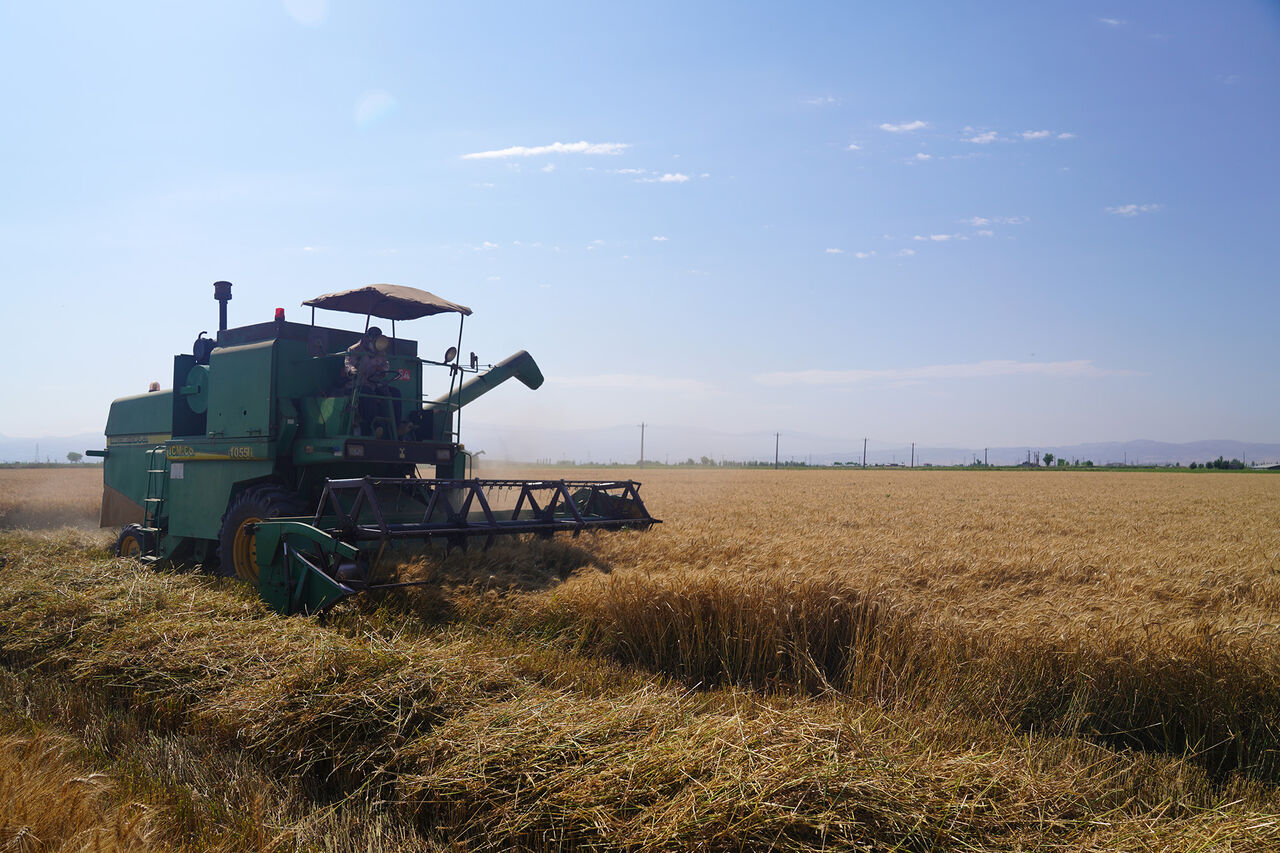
[[201, 489], [134, 426], [240, 401]]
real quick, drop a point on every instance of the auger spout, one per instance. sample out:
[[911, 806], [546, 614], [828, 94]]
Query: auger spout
[[520, 366]]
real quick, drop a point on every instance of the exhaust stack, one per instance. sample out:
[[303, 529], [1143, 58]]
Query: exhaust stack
[[222, 293]]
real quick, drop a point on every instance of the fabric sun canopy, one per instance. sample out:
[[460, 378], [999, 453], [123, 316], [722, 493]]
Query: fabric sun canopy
[[388, 301]]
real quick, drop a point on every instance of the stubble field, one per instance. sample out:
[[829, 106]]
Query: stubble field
[[799, 659]]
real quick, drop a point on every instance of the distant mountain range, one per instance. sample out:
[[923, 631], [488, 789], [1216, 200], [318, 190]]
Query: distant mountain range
[[676, 444]]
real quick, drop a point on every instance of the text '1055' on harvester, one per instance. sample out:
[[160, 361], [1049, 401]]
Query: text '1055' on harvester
[[287, 454]]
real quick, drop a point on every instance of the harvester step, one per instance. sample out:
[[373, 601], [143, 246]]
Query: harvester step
[[149, 529]]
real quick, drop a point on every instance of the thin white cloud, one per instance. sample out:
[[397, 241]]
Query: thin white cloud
[[921, 156], [1111, 22], [668, 178], [939, 238], [870, 254], [1085, 369], [1132, 209], [635, 382], [373, 106], [550, 167], [1036, 134], [986, 233], [629, 171], [905, 127], [984, 138], [853, 146], [981, 221], [488, 245], [902, 253], [822, 101], [310, 13], [835, 251], [659, 238], [1066, 136], [553, 148]]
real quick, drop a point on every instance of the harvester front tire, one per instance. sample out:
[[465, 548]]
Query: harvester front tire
[[237, 555], [133, 542]]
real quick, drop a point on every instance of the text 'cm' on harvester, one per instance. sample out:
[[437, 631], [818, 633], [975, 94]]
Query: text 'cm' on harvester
[[286, 454]]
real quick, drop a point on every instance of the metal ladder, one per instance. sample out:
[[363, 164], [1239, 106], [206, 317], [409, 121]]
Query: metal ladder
[[153, 503]]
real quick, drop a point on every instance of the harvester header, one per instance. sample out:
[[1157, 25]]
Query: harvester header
[[289, 454]]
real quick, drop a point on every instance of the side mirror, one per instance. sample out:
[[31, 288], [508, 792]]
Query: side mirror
[[450, 354], [475, 362]]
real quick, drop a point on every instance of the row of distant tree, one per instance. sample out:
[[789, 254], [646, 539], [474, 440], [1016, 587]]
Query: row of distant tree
[[1221, 464], [1049, 459]]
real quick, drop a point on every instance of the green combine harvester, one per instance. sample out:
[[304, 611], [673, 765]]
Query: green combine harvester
[[287, 455]]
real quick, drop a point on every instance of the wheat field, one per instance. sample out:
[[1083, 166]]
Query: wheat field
[[916, 660], [50, 497]]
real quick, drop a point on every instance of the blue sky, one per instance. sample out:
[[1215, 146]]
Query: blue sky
[[961, 224]]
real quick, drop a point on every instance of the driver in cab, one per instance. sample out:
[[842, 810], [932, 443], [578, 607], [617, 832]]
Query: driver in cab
[[366, 367]]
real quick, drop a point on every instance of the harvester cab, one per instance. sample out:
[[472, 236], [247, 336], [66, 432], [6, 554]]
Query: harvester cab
[[289, 454]]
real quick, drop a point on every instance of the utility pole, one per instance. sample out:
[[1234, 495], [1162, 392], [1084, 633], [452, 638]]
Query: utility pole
[[984, 456], [777, 436], [864, 453], [641, 445], [913, 454]]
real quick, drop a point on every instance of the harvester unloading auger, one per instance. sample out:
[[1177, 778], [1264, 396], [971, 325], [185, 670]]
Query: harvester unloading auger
[[268, 460]]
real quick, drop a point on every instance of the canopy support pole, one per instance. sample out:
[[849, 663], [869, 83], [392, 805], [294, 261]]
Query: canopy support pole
[[457, 418]]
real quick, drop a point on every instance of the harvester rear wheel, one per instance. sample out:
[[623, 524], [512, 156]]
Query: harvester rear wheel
[[237, 554], [133, 542]]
